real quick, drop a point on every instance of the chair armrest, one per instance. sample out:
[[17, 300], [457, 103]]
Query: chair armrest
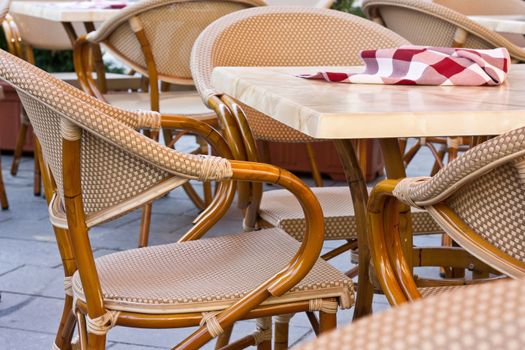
[[469, 166]]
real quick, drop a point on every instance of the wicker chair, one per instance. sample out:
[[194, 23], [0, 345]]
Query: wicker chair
[[4, 204], [140, 35], [479, 317], [103, 168], [476, 199], [239, 40]]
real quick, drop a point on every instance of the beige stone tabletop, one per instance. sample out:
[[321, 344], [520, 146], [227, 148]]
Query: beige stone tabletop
[[503, 24], [62, 11], [339, 111]]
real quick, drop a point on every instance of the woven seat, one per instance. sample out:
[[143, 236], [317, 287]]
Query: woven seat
[[209, 274], [176, 102], [478, 317], [279, 209]]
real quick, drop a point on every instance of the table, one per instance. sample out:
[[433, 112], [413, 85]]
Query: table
[[345, 111], [504, 24], [67, 13]]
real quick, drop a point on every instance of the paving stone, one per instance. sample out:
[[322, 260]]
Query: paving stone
[[20, 339], [38, 280], [15, 251]]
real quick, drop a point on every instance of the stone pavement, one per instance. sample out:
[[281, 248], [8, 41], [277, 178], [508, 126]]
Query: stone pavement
[[31, 276]]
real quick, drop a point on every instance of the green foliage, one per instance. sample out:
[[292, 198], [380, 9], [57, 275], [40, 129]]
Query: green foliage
[[347, 6]]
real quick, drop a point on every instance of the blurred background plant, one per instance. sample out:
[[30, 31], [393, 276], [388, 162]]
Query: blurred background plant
[[349, 6]]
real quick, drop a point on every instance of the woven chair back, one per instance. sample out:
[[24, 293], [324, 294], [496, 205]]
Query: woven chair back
[[170, 26], [118, 164], [284, 36], [426, 23]]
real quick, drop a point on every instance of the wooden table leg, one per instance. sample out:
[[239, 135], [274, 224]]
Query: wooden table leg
[[359, 193]]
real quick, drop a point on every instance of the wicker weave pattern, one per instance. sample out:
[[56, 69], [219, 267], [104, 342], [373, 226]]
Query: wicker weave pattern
[[494, 207], [164, 21], [279, 209], [426, 23], [488, 316], [483, 157], [142, 161], [241, 39], [202, 275], [431, 291]]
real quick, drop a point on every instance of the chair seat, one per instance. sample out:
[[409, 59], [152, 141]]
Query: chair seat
[[114, 81], [209, 274], [171, 102], [280, 209], [430, 291]]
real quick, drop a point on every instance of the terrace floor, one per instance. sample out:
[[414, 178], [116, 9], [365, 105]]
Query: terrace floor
[[31, 276]]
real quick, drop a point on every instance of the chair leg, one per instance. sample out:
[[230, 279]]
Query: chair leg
[[3, 196], [37, 177], [224, 338], [264, 324], [316, 174], [145, 223], [67, 325], [327, 321], [282, 326], [20, 141], [96, 342]]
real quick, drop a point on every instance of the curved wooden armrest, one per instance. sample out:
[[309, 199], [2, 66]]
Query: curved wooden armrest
[[300, 264], [387, 216]]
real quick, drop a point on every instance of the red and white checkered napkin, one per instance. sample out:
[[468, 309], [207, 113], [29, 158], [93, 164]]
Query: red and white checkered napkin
[[422, 65]]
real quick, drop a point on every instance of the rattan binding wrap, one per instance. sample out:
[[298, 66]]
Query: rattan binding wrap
[[488, 316], [426, 23], [163, 21], [242, 39], [118, 163]]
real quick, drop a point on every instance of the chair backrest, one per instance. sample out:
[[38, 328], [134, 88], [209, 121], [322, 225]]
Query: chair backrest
[[283, 36], [426, 23], [170, 28], [119, 166], [305, 3]]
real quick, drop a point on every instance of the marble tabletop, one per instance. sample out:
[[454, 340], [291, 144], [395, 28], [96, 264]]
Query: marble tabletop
[[503, 24], [63, 11], [341, 111]]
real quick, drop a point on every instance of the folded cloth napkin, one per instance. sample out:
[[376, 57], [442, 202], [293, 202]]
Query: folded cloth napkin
[[422, 65]]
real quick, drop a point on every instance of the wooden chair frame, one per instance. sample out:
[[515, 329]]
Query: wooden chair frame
[[389, 225]]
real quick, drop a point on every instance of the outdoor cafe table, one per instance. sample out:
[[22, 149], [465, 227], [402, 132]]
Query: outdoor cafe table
[[67, 13], [342, 112], [503, 24]]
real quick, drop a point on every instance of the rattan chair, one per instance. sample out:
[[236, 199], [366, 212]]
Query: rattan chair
[[478, 317], [104, 168], [155, 38], [298, 36], [4, 204], [476, 199]]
